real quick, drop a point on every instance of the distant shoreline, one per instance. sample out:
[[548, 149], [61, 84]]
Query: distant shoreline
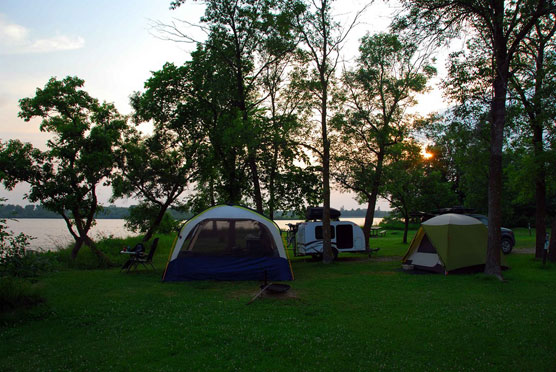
[[10, 211]]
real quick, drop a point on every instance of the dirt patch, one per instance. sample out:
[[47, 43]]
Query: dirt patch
[[354, 259], [290, 294], [380, 273], [387, 258], [370, 259], [524, 251]]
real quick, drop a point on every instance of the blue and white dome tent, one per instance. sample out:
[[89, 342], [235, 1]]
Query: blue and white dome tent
[[228, 243]]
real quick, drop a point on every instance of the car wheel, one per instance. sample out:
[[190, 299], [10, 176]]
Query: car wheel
[[506, 246]]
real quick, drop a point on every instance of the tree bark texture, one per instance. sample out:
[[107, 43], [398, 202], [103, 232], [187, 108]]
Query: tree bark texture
[[76, 247], [369, 216], [552, 245], [150, 232], [327, 255], [540, 191], [498, 117], [406, 228]]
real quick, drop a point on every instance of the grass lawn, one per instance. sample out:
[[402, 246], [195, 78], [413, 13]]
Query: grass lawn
[[358, 314]]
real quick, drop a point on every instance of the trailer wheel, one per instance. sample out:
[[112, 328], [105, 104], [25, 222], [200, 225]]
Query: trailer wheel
[[317, 256], [335, 252]]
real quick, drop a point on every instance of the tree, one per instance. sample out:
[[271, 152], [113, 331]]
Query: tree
[[80, 156], [459, 149], [323, 38], [246, 37], [504, 25], [413, 184], [389, 73], [207, 102], [159, 168], [157, 171], [287, 176], [533, 79]]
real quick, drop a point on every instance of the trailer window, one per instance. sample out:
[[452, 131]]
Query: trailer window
[[344, 238], [318, 232]]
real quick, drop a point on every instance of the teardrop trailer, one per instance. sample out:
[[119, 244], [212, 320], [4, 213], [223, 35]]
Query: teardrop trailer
[[306, 237]]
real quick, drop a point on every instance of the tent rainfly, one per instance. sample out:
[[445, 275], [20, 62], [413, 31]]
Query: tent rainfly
[[448, 242], [228, 243]]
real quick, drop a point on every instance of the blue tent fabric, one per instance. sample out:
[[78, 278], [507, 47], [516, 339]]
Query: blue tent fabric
[[228, 268]]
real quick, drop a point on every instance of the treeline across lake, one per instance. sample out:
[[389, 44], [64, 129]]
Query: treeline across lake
[[115, 212], [110, 212]]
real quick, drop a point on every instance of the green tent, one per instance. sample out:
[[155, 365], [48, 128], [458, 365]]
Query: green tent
[[448, 242]]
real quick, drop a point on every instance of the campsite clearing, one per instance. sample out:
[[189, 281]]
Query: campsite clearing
[[355, 314]]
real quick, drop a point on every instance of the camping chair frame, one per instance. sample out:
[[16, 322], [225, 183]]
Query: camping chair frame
[[144, 260]]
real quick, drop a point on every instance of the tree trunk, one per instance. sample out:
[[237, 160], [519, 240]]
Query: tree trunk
[[406, 228], [211, 192], [498, 117], [271, 181], [256, 183], [369, 217], [327, 256], [233, 187], [552, 245], [540, 190], [103, 260], [76, 247], [157, 221]]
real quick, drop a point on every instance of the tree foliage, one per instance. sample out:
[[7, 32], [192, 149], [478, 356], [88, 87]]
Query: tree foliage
[[414, 184], [322, 38], [158, 169], [245, 38], [80, 156], [504, 25], [375, 97]]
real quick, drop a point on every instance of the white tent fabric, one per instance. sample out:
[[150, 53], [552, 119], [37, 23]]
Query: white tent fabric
[[228, 212], [452, 219]]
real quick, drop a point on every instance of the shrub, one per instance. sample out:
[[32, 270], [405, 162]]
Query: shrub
[[395, 223], [86, 260], [15, 260], [17, 293]]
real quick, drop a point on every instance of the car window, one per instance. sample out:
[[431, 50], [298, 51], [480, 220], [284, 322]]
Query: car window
[[483, 219]]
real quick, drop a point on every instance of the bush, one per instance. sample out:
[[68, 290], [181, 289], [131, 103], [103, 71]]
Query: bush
[[17, 293], [394, 223], [86, 260], [15, 259]]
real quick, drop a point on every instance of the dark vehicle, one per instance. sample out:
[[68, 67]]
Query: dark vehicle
[[508, 238]]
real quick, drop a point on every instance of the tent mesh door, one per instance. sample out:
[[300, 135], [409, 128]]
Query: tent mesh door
[[229, 237]]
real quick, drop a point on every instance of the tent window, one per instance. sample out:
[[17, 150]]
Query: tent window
[[318, 232], [344, 237], [426, 246], [228, 237]]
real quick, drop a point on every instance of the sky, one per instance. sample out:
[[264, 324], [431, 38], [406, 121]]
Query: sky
[[112, 45]]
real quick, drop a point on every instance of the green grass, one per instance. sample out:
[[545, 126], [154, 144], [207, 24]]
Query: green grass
[[358, 314]]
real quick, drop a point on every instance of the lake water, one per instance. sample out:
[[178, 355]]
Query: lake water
[[51, 234]]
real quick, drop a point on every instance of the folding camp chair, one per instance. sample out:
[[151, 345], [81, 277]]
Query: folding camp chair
[[144, 260]]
